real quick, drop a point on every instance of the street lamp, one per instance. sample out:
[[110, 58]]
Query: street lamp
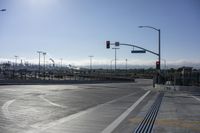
[[159, 51], [53, 62], [91, 61]]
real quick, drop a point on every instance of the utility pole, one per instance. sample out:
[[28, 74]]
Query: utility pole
[[115, 57]]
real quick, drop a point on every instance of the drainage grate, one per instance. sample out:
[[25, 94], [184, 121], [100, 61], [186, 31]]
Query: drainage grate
[[147, 124]]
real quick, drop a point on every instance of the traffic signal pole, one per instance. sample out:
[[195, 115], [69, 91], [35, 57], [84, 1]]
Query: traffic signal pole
[[131, 45], [159, 55], [142, 50], [159, 51], [115, 57]]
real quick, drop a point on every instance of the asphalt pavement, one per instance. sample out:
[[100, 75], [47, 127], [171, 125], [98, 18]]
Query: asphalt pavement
[[93, 108]]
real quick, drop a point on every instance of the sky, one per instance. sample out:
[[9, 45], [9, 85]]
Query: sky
[[75, 29]]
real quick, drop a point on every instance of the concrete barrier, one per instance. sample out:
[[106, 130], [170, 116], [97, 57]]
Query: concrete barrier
[[32, 82]]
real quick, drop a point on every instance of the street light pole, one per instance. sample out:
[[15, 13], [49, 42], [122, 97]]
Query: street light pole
[[159, 46], [39, 52], [44, 59], [91, 61], [44, 62], [53, 62], [111, 64], [61, 62], [115, 57], [16, 59]]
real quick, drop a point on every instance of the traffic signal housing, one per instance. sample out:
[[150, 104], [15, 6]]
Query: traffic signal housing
[[157, 65], [107, 44]]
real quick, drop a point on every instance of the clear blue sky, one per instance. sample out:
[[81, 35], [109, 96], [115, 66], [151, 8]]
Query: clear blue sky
[[75, 29]]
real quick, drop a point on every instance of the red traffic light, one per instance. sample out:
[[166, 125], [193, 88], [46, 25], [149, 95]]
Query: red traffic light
[[157, 64], [107, 44]]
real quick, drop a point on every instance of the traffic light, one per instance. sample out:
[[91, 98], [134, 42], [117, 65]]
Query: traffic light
[[158, 65], [107, 44], [3, 10]]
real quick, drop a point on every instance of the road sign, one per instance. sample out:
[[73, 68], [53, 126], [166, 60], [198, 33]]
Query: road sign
[[116, 43], [138, 51]]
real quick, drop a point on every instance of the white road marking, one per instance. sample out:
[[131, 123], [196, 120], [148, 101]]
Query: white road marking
[[41, 126], [12, 116], [196, 98], [54, 104], [9, 115], [5, 109], [117, 121]]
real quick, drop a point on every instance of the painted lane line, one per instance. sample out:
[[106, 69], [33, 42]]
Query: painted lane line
[[9, 115], [41, 126], [12, 116], [5, 109], [110, 128], [51, 103], [196, 98]]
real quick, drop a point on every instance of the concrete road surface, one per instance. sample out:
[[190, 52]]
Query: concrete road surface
[[94, 108]]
